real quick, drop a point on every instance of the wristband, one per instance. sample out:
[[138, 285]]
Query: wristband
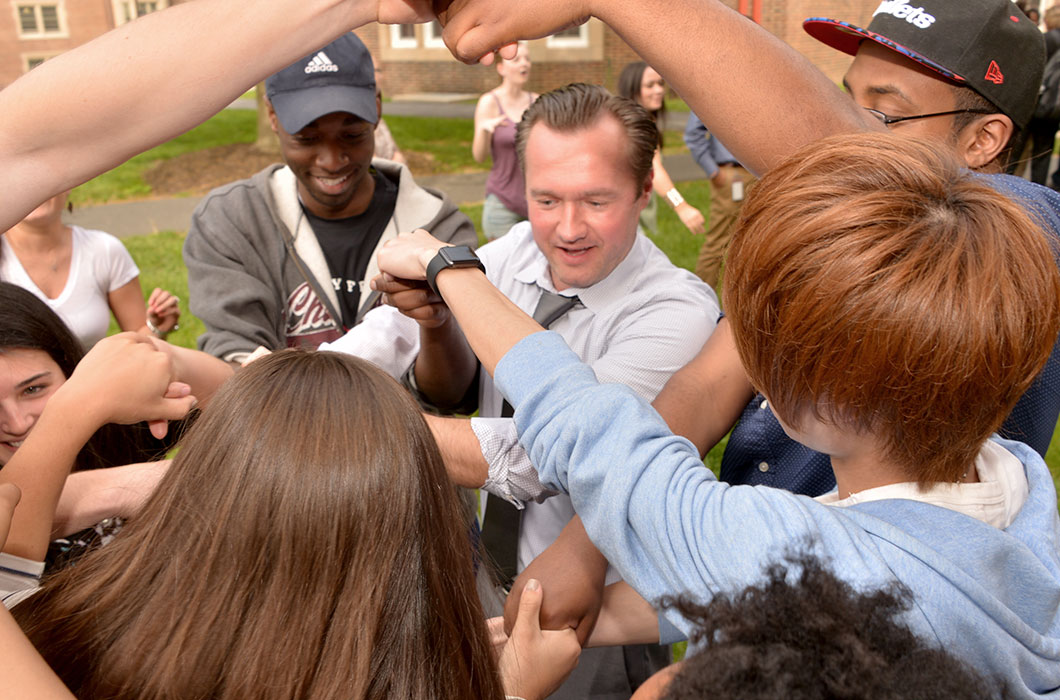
[[450, 257], [675, 197], [157, 332]]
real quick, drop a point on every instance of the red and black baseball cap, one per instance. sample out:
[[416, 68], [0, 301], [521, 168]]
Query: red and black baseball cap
[[987, 45]]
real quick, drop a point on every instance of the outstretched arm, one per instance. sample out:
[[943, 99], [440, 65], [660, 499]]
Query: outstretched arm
[[761, 97], [182, 65], [25, 673]]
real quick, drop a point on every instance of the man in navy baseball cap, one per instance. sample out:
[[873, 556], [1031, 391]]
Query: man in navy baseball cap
[[338, 78], [283, 258]]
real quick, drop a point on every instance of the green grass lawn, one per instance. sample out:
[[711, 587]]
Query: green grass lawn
[[446, 142], [126, 181]]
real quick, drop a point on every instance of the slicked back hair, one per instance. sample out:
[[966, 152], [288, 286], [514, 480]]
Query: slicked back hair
[[883, 287], [579, 106]]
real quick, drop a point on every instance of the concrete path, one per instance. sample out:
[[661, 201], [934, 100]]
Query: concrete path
[[173, 214]]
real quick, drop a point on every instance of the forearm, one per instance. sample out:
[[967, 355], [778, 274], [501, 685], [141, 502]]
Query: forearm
[[480, 144], [625, 618], [445, 366], [25, 673], [460, 450], [204, 373], [91, 496], [188, 62], [661, 182], [760, 96], [40, 468], [703, 399], [491, 323]]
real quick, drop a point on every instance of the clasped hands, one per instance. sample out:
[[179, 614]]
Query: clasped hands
[[473, 29]]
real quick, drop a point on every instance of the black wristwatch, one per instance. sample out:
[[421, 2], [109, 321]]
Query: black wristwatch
[[449, 257]]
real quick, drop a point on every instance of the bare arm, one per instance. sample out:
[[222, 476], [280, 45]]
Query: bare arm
[[625, 618], [460, 449], [661, 183], [25, 673], [203, 372], [573, 571], [703, 399], [127, 305], [757, 94], [90, 496], [486, 120], [187, 62]]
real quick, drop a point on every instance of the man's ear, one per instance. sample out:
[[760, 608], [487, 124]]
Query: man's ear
[[646, 188], [983, 140], [273, 121], [378, 110]]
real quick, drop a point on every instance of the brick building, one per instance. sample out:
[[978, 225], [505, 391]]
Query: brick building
[[414, 59], [33, 31]]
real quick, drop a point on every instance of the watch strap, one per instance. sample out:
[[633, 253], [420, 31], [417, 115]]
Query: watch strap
[[451, 257]]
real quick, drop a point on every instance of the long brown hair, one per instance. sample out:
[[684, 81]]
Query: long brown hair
[[305, 543], [876, 282]]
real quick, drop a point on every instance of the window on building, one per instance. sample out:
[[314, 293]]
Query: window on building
[[128, 10], [571, 37], [403, 36], [432, 35], [33, 62], [39, 19]]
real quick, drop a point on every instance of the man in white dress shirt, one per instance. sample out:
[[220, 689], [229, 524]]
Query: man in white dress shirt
[[637, 319]]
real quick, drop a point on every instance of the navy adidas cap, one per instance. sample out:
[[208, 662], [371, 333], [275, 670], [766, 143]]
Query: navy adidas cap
[[337, 78], [987, 45]]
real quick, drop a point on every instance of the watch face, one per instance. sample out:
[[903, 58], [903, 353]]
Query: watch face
[[460, 254]]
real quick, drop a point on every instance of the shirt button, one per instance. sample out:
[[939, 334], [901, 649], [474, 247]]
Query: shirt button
[[765, 404], [763, 466]]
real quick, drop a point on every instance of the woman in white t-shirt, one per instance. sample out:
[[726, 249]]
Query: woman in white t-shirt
[[83, 275]]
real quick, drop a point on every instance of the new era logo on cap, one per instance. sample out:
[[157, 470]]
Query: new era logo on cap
[[993, 74], [321, 64]]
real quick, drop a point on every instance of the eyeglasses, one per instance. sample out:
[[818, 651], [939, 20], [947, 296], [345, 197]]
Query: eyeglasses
[[888, 120]]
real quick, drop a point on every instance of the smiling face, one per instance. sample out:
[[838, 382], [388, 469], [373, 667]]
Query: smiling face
[[652, 90], [331, 158], [583, 200], [28, 379]]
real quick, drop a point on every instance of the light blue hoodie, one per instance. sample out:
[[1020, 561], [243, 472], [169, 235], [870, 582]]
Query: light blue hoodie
[[990, 596]]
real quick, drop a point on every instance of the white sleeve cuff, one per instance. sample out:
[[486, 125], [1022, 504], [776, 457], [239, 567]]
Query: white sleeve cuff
[[18, 575], [511, 474], [385, 337]]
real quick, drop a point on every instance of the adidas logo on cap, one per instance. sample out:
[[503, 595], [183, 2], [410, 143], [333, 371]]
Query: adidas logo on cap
[[903, 10], [321, 64]]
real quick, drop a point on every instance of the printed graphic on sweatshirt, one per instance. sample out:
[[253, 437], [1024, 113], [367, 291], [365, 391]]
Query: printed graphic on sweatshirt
[[308, 322]]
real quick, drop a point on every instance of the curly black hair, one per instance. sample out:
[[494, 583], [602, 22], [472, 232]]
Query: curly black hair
[[815, 637]]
